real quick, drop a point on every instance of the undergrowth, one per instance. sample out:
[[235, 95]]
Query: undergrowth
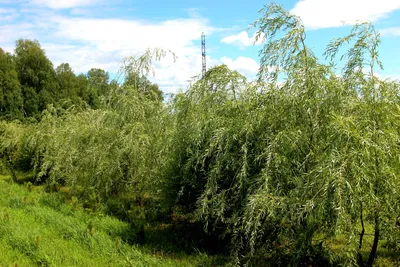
[[45, 229]]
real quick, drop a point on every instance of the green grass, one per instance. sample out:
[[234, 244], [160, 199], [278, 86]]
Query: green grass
[[48, 229], [42, 229], [385, 258]]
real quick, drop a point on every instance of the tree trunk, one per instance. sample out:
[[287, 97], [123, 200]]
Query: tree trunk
[[360, 257], [362, 229], [374, 248]]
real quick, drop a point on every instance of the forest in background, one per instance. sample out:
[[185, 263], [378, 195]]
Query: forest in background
[[30, 83], [300, 167]]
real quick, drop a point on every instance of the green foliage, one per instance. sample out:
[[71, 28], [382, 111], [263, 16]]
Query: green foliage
[[98, 86], [144, 86], [287, 54], [38, 229], [14, 150], [10, 88], [203, 108], [135, 69], [29, 83], [105, 153], [68, 85], [370, 138], [36, 75], [277, 164], [281, 168]]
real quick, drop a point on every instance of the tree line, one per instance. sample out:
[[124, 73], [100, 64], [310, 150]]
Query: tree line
[[29, 83]]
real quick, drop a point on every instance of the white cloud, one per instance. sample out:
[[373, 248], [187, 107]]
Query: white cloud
[[59, 4], [10, 1], [6, 11], [104, 42], [87, 43], [394, 31], [394, 77], [317, 14], [116, 34], [8, 14], [10, 33], [378, 74], [242, 39], [245, 65]]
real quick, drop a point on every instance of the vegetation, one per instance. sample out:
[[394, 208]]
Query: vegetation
[[298, 168], [41, 229]]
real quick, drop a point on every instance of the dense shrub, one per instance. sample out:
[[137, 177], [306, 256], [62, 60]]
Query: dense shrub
[[15, 154]]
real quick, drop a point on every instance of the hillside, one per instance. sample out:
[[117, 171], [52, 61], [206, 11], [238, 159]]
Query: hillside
[[41, 229]]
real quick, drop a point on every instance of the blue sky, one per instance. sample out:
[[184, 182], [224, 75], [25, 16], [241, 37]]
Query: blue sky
[[99, 33]]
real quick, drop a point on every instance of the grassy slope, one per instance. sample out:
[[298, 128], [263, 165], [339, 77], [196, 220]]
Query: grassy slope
[[37, 228], [41, 229]]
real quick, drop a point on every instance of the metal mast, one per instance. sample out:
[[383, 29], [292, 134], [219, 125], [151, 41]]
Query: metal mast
[[203, 53]]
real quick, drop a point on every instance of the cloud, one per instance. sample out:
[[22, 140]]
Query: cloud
[[60, 4], [317, 14], [6, 11], [383, 76], [104, 42], [8, 14], [245, 65], [394, 31], [117, 34], [10, 33], [10, 1], [394, 77], [87, 43], [242, 39]]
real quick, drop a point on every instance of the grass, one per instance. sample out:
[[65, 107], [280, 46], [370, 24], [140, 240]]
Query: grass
[[48, 229], [42, 229], [385, 258]]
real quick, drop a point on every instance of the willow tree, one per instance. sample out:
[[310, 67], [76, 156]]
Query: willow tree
[[335, 164], [276, 164], [337, 158], [198, 113], [104, 153], [368, 183], [14, 155]]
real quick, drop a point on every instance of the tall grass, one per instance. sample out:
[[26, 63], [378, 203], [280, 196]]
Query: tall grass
[[45, 229]]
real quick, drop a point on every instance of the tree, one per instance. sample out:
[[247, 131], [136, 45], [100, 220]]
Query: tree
[[272, 166], [36, 75], [370, 141], [10, 88], [136, 70], [99, 79], [144, 86], [82, 87], [98, 87], [208, 113], [108, 152], [67, 81]]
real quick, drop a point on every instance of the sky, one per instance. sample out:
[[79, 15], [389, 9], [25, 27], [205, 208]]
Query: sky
[[99, 33]]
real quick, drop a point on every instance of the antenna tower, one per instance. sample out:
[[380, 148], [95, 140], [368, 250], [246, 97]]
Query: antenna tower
[[203, 54]]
